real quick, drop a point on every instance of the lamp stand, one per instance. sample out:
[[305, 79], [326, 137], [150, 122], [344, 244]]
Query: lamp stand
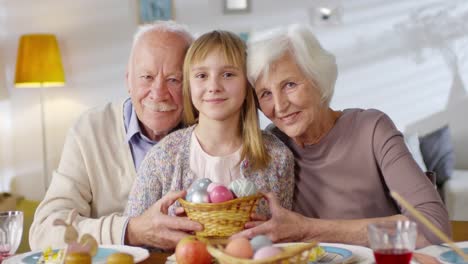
[[44, 143]]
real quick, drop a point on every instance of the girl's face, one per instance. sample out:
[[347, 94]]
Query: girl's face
[[217, 88]]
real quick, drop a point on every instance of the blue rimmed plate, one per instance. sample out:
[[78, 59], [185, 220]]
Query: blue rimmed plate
[[452, 257], [139, 254], [338, 253], [335, 255], [100, 257]]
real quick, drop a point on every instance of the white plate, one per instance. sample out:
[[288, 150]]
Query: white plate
[[361, 255], [139, 254]]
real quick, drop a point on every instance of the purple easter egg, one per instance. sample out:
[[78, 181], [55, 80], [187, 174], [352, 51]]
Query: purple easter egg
[[220, 194], [266, 252]]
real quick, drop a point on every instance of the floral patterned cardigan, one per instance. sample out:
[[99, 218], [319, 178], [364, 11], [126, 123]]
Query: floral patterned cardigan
[[166, 168]]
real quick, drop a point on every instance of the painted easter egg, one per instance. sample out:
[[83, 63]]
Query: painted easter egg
[[188, 196], [266, 252], [212, 186], [243, 187], [220, 194], [260, 241], [239, 248], [199, 196], [200, 184]]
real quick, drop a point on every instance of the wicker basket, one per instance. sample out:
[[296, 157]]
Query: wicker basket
[[221, 219], [293, 254]]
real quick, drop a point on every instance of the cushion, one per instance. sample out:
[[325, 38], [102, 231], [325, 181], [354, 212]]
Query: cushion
[[438, 155], [412, 142], [456, 195]]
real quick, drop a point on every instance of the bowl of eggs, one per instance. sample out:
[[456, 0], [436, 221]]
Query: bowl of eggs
[[222, 210], [260, 250]]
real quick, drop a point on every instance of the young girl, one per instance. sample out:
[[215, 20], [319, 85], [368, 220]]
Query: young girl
[[224, 141]]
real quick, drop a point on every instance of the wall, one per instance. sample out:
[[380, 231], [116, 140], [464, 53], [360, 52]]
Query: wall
[[95, 37], [374, 71], [6, 169]]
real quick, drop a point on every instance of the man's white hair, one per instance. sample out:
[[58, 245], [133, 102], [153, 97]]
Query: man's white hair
[[316, 63], [163, 26]]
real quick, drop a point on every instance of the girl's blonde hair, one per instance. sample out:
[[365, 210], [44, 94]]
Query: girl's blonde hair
[[234, 51]]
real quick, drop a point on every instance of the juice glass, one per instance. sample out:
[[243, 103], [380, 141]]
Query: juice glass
[[392, 241]]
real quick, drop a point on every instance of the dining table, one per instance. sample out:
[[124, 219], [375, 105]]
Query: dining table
[[356, 255], [363, 255], [156, 258]]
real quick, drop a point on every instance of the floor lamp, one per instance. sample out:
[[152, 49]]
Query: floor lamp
[[38, 65]]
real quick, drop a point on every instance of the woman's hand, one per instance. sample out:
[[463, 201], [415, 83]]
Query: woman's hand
[[284, 225], [255, 220]]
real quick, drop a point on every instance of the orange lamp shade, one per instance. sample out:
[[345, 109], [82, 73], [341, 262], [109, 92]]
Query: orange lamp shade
[[38, 63]]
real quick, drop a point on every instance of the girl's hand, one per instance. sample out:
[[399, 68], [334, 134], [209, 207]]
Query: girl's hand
[[179, 211]]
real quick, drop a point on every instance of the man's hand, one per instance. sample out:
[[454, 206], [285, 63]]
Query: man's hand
[[284, 225], [157, 229]]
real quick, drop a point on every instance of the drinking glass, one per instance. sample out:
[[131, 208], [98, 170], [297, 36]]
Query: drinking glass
[[393, 242], [11, 229]]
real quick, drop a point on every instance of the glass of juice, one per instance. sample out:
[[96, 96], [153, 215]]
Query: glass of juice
[[393, 242], [11, 229]]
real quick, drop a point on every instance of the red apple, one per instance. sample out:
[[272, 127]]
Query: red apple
[[189, 250]]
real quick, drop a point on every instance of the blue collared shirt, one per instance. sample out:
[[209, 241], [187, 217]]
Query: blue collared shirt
[[139, 143]]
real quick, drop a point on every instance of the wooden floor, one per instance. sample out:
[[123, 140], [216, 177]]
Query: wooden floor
[[460, 230]]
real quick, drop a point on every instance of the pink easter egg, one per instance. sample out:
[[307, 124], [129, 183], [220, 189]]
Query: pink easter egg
[[220, 194], [212, 186]]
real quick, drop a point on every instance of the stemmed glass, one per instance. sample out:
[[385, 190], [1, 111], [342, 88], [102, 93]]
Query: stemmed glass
[[11, 229]]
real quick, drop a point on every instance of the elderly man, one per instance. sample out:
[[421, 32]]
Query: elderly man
[[105, 147]]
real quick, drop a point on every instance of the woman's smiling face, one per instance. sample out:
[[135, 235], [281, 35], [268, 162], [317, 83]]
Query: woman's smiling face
[[288, 98]]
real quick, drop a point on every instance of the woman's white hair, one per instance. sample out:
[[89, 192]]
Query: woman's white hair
[[163, 26], [316, 63]]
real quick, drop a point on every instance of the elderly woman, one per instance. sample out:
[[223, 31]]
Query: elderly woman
[[346, 161]]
